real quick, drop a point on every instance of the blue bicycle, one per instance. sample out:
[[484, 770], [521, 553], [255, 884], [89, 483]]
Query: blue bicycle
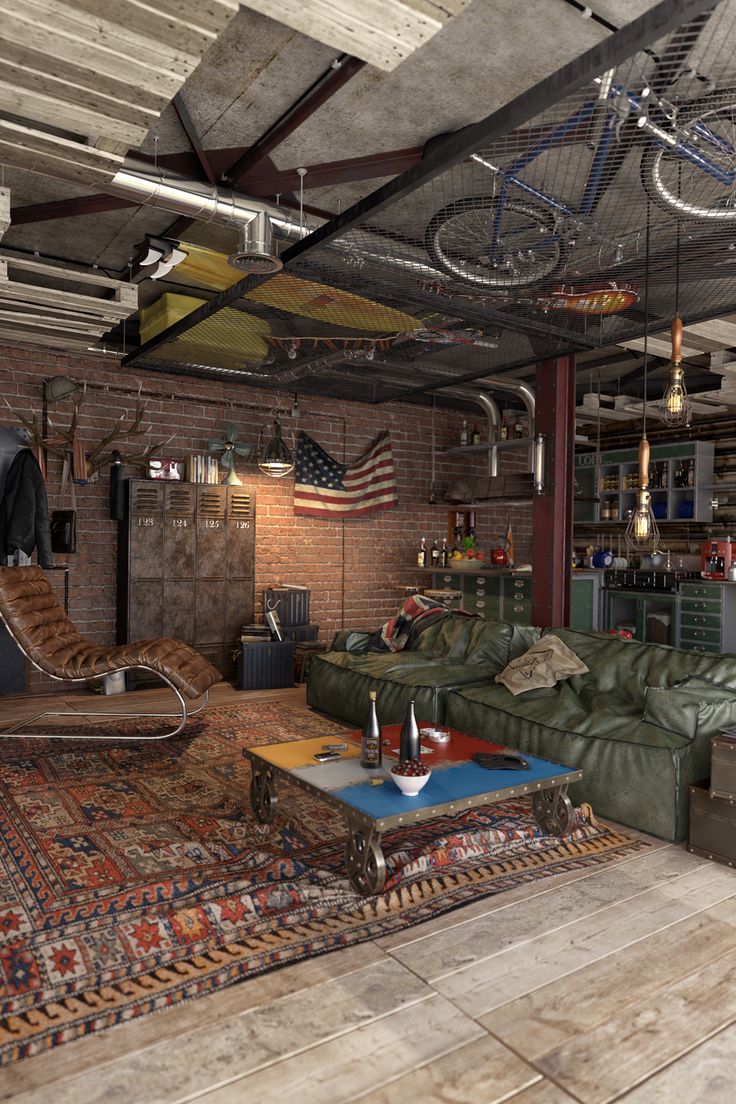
[[518, 235]]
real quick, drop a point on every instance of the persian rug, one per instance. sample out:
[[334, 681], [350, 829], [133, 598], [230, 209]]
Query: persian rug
[[134, 876]]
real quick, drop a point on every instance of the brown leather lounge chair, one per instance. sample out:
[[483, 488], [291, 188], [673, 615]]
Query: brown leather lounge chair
[[32, 613]]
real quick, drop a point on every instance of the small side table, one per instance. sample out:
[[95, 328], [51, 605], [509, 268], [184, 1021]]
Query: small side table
[[303, 652]]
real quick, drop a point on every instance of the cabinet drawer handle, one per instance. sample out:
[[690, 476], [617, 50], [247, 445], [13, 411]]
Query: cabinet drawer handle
[[700, 620], [518, 582], [519, 609], [480, 604]]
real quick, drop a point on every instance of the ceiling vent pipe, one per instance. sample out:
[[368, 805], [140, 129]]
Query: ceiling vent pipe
[[182, 196]]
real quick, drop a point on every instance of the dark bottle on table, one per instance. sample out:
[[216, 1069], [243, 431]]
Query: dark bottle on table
[[409, 736], [370, 744]]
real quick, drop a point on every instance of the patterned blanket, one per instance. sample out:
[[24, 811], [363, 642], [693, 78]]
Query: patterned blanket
[[415, 615]]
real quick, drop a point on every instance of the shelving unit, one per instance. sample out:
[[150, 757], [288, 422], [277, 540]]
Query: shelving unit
[[690, 462]]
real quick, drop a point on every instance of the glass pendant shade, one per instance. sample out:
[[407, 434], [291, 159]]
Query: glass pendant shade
[[275, 458], [674, 407], [642, 534]]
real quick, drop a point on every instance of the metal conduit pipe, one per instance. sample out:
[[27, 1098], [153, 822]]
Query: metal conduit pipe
[[183, 196], [211, 203]]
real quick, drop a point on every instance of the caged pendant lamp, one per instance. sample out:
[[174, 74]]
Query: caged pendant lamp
[[274, 456], [675, 407], [642, 534]]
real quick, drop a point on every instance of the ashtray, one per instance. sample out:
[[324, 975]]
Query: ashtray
[[438, 735]]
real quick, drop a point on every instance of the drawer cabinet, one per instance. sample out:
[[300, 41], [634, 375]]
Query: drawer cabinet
[[708, 617]]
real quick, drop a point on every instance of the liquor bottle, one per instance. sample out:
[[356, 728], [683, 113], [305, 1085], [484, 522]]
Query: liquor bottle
[[457, 532], [691, 473], [475, 435], [422, 554], [444, 554], [470, 532], [435, 554], [504, 433], [518, 428], [409, 736], [370, 744], [464, 432]]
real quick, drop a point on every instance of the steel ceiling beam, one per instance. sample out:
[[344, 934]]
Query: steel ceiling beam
[[190, 130], [331, 81]]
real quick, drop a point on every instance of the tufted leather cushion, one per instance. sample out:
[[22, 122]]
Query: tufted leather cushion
[[33, 615]]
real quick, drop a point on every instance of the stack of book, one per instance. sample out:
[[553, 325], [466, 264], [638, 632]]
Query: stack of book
[[202, 469]]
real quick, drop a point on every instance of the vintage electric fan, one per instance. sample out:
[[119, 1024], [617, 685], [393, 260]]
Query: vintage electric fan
[[230, 448]]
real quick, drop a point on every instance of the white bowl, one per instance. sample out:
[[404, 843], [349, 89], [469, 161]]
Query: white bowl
[[411, 784]]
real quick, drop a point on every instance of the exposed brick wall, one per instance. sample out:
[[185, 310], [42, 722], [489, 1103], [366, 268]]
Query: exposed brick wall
[[354, 569]]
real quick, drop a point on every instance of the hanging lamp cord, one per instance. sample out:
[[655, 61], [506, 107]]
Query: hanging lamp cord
[[677, 249], [646, 326]]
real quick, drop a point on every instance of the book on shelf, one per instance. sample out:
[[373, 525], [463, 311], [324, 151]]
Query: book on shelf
[[202, 469]]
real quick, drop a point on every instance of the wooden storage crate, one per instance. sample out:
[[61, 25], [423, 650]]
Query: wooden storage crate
[[723, 766], [712, 825]]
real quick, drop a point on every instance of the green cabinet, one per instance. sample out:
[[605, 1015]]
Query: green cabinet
[[652, 617], [502, 596], [585, 601], [708, 616], [680, 479]]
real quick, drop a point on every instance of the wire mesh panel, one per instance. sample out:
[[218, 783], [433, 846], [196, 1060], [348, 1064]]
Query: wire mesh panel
[[529, 246]]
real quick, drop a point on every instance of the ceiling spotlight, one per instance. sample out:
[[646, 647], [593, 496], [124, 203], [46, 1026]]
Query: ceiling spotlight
[[161, 256]]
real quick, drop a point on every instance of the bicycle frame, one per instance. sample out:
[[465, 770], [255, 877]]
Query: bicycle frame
[[634, 103]]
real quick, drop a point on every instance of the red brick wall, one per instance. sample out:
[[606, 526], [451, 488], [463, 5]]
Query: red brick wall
[[354, 569]]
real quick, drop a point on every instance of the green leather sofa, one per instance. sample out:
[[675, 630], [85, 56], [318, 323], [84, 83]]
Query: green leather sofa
[[456, 652], [638, 724]]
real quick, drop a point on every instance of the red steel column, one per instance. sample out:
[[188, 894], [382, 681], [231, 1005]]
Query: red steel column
[[552, 512]]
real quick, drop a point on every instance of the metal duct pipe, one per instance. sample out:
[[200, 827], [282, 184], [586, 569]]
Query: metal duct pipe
[[182, 196]]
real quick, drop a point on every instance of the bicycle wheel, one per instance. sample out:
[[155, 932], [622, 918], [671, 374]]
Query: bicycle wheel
[[683, 188], [460, 241]]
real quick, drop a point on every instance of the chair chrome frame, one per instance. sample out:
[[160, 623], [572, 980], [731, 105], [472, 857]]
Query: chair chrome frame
[[183, 714]]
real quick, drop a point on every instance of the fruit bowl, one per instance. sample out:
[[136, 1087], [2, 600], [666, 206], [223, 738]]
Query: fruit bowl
[[410, 784], [466, 565]]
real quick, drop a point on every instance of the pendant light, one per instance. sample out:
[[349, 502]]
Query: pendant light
[[275, 457], [675, 407], [642, 534]]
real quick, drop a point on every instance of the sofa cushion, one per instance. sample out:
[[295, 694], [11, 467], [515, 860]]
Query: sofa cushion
[[490, 644], [694, 706], [546, 663], [448, 637]]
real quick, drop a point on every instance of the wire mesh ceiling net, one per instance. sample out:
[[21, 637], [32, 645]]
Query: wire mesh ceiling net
[[530, 247]]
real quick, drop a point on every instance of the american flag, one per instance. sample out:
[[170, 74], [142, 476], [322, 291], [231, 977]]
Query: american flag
[[325, 488]]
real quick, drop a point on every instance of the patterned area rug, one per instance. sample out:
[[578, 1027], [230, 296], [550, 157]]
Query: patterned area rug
[[134, 877]]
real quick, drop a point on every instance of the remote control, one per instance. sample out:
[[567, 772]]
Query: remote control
[[324, 756], [334, 747], [500, 761]]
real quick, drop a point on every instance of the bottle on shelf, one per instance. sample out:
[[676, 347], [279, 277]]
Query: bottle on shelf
[[422, 554], [518, 428], [504, 431], [370, 743], [470, 531], [691, 473], [409, 736], [475, 435], [464, 438], [435, 554], [458, 531], [444, 554]]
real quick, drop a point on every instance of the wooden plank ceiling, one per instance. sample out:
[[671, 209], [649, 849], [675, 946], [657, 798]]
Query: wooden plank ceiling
[[381, 32], [97, 70], [81, 82]]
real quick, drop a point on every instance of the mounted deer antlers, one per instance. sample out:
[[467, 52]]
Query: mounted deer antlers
[[66, 441]]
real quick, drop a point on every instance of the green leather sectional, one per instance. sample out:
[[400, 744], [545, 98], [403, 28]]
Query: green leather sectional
[[456, 652], [638, 724]]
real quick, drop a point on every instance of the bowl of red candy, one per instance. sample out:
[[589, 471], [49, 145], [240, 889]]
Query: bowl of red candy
[[410, 776]]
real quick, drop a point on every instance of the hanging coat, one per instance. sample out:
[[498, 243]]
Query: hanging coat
[[24, 511]]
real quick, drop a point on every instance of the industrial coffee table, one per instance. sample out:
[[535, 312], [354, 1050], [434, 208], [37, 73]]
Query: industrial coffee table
[[372, 804]]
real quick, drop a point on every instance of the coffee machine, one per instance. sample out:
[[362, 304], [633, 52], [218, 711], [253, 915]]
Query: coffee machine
[[716, 557]]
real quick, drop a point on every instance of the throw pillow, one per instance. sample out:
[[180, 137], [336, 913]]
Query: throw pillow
[[694, 703], [546, 663]]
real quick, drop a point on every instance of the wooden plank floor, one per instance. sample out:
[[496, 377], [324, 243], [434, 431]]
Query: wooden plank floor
[[613, 984]]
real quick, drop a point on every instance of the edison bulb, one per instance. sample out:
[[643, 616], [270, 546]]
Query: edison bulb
[[674, 399], [642, 526], [675, 406]]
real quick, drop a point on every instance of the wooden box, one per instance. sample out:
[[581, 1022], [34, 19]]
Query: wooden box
[[712, 825], [723, 765]]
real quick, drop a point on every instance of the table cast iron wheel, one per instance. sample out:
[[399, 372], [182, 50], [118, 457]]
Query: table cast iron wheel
[[365, 864], [263, 797], [553, 812]]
